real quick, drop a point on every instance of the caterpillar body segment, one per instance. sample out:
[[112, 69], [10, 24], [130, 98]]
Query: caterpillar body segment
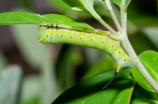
[[50, 34], [92, 40]]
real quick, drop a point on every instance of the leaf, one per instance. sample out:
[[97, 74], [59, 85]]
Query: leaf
[[12, 18], [67, 10], [87, 4], [90, 91], [105, 64], [149, 59], [142, 96], [55, 4], [76, 5], [81, 6], [10, 79], [123, 4]]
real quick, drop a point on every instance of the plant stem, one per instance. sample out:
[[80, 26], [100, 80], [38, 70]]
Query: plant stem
[[109, 8], [90, 8], [130, 51], [98, 18], [123, 20], [107, 26], [147, 76], [125, 42]]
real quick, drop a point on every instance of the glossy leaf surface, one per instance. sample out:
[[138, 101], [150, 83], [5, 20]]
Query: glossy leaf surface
[[122, 3], [142, 96], [149, 59], [90, 90], [12, 18]]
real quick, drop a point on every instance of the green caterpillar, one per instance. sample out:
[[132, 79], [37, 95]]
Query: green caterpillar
[[55, 34]]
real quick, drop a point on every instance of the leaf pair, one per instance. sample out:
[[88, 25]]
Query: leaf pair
[[87, 5]]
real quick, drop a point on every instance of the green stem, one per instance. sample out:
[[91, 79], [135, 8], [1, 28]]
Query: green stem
[[98, 18], [130, 51], [109, 8], [123, 20], [90, 8]]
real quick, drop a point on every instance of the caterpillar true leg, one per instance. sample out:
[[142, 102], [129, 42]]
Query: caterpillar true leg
[[116, 72]]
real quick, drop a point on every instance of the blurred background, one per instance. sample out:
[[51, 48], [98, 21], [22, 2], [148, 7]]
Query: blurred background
[[35, 73]]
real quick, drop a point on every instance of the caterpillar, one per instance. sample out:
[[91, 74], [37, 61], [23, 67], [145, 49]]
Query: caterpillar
[[57, 34]]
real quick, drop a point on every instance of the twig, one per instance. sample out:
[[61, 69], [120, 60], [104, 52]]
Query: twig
[[98, 18], [110, 10], [123, 20], [130, 51]]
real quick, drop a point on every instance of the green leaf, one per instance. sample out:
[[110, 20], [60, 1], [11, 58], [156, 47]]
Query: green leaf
[[81, 6], [149, 59], [10, 81], [105, 64], [87, 4], [76, 5], [55, 4], [123, 4], [68, 10], [12, 18], [142, 96], [90, 91]]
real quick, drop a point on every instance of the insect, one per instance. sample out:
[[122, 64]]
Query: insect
[[57, 34]]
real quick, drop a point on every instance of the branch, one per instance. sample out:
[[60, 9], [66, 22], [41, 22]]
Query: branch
[[98, 18], [130, 51], [110, 10], [123, 20]]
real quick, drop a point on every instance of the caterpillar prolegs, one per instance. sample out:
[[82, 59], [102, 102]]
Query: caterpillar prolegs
[[55, 34]]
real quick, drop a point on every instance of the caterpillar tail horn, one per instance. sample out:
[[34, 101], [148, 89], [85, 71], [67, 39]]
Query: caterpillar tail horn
[[116, 72]]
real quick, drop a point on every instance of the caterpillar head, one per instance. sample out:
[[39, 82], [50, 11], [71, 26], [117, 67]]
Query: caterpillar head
[[127, 62], [41, 32]]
